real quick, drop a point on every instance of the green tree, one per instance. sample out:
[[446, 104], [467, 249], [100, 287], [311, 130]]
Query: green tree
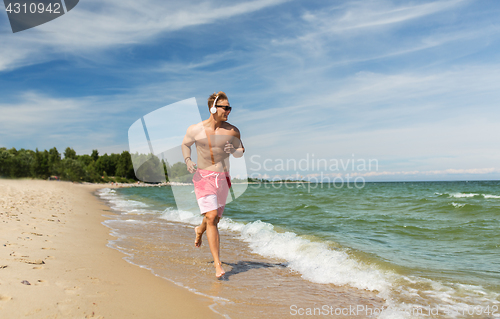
[[95, 155], [178, 169], [54, 160], [40, 165], [26, 163], [5, 161], [91, 175], [165, 169], [71, 170], [69, 153], [179, 173], [150, 170], [85, 159], [114, 159], [125, 167], [103, 164], [20, 164]]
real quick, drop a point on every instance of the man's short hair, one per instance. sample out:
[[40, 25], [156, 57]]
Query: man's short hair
[[211, 98]]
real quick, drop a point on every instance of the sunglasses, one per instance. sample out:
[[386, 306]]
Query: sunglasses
[[225, 107]]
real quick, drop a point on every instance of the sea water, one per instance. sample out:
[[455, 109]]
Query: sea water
[[389, 250]]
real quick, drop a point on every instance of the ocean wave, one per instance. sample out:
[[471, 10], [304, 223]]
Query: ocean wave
[[467, 195], [320, 263], [175, 215], [314, 260], [124, 205], [463, 195], [490, 196], [306, 207], [456, 205]]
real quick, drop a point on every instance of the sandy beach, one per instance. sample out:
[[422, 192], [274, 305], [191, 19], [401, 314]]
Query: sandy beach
[[54, 262]]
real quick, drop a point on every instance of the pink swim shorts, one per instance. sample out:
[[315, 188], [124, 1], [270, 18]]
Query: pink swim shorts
[[211, 189]]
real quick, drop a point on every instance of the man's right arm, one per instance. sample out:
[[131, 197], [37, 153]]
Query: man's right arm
[[186, 149]]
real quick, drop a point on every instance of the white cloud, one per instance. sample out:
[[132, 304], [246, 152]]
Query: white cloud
[[35, 110], [421, 120], [302, 93], [370, 14], [38, 120], [361, 18], [95, 25]]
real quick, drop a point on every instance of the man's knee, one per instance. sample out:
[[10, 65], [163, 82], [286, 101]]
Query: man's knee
[[212, 217]]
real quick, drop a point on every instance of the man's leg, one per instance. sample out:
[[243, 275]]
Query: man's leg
[[199, 230], [211, 220], [205, 203]]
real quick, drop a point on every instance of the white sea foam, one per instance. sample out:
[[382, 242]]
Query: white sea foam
[[126, 206], [462, 195], [457, 205], [135, 221], [490, 196], [320, 263], [130, 256], [468, 195], [314, 260], [183, 216]]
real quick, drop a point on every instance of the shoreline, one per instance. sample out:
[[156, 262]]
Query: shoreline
[[255, 285], [55, 262]]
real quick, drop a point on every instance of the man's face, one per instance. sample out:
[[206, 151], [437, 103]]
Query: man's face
[[222, 114]]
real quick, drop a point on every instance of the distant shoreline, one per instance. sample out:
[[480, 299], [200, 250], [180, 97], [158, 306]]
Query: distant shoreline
[[142, 184]]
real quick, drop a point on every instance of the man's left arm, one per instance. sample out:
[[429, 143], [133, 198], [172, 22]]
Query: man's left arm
[[236, 147]]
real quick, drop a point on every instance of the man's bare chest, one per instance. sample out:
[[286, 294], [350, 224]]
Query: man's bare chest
[[213, 139]]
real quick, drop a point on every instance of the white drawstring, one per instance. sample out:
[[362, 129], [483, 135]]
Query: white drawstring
[[216, 177]]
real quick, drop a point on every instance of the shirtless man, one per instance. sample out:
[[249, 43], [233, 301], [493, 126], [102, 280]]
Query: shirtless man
[[215, 141]]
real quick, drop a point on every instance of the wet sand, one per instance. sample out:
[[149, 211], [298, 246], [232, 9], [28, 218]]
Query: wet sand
[[253, 287], [54, 262]]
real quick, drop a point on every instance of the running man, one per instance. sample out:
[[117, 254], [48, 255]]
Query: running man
[[215, 141]]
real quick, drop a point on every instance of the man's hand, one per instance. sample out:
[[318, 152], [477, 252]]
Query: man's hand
[[229, 148], [191, 166]]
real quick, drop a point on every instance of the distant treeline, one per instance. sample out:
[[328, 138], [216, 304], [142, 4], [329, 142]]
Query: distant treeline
[[89, 168], [92, 168]]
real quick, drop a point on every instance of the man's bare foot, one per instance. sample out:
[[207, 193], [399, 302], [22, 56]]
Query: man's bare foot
[[197, 241], [219, 272]]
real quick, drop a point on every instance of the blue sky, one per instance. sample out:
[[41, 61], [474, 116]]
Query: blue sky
[[412, 84]]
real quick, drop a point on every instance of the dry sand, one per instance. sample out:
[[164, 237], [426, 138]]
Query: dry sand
[[54, 262]]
